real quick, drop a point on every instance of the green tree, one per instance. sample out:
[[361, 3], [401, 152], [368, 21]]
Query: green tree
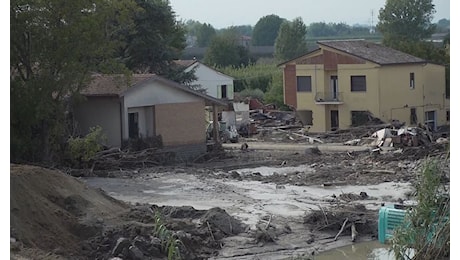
[[205, 34], [443, 25], [320, 29], [243, 29], [192, 27], [275, 93], [291, 41], [225, 50], [266, 30], [405, 21], [157, 40], [55, 45]]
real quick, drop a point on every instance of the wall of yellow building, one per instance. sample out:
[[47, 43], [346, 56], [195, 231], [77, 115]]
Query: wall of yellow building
[[427, 95], [358, 101], [435, 91], [306, 100], [388, 94]]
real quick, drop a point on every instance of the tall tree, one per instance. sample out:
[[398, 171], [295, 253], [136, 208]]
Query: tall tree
[[266, 30], [406, 21], [405, 24], [225, 50], [291, 41], [55, 45], [157, 40], [204, 35]]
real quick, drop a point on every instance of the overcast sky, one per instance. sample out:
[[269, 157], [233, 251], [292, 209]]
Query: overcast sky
[[224, 13]]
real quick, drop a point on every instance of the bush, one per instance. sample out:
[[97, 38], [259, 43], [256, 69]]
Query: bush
[[83, 149], [425, 233], [252, 93]]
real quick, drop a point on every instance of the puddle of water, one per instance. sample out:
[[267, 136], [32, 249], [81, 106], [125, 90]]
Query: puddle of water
[[372, 250]]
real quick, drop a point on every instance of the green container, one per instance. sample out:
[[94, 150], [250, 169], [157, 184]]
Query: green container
[[389, 219]]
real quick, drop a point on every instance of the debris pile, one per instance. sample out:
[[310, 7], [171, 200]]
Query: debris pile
[[343, 220]]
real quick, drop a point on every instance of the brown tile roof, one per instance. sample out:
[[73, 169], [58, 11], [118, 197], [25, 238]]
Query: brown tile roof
[[116, 85], [185, 63], [373, 52], [112, 85]]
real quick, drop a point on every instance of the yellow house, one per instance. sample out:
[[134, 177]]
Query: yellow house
[[343, 82]]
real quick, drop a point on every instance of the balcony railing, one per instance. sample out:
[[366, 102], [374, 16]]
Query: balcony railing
[[329, 97]]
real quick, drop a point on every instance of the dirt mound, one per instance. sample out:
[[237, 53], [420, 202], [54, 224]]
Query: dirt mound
[[54, 215], [52, 211]]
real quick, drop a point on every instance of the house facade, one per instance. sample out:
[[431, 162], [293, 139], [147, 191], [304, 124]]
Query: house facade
[[216, 84], [344, 83], [145, 106]]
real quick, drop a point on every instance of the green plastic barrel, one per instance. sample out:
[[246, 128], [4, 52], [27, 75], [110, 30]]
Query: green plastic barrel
[[389, 219]]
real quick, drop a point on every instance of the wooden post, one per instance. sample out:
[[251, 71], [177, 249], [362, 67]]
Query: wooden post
[[215, 124]]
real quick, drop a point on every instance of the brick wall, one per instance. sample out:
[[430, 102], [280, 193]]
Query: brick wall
[[181, 123], [290, 86]]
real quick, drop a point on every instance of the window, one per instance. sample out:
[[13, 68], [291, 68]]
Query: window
[[447, 115], [412, 80], [430, 120], [413, 116], [358, 83], [359, 118], [223, 91], [304, 83]]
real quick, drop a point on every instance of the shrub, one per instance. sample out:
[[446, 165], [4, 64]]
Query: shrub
[[425, 233], [83, 149]]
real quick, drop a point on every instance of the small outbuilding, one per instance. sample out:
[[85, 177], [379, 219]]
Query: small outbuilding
[[143, 106]]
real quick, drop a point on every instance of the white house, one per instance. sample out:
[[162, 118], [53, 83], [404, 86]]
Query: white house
[[216, 83]]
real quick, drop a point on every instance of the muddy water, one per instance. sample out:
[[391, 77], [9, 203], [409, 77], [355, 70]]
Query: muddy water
[[372, 250], [252, 202]]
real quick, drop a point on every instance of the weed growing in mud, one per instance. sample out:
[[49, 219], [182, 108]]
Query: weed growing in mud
[[169, 242], [425, 233]]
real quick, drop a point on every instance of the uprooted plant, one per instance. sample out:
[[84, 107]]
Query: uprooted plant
[[169, 241], [425, 232]]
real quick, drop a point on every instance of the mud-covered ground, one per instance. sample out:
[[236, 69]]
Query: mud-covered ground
[[252, 204]]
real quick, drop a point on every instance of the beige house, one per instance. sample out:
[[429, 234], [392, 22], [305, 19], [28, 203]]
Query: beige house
[[343, 82], [142, 106]]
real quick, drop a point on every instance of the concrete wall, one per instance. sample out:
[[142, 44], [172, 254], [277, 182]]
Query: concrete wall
[[181, 123], [212, 80], [102, 111]]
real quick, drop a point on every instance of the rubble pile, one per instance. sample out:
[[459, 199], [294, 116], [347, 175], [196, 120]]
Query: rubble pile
[[282, 126]]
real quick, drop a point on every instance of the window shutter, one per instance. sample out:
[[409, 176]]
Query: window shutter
[[219, 92], [230, 92]]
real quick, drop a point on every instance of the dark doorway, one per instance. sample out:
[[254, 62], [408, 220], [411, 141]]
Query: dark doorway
[[334, 120], [133, 124], [334, 87]]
